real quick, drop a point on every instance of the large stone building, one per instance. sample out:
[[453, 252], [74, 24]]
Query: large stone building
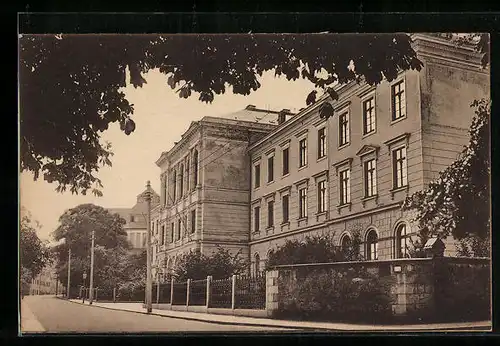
[[352, 172], [205, 181], [303, 174], [135, 218]]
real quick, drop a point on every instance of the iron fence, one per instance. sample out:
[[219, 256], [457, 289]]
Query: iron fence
[[164, 297], [198, 292], [125, 295], [250, 292], [221, 293], [180, 293]]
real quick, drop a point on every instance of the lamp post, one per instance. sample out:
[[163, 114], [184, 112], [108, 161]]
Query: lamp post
[[69, 272], [83, 287], [91, 288], [149, 285]]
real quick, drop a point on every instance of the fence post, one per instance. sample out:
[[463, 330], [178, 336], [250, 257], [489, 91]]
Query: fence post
[[233, 291], [209, 282], [114, 294], [171, 292], [187, 292]]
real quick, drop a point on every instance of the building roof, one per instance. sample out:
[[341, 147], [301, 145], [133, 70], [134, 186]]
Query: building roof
[[251, 116]]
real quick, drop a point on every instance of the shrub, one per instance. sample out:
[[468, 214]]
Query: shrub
[[333, 295], [315, 249], [197, 266]]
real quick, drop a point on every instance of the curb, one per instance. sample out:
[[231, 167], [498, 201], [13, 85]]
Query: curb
[[203, 320], [450, 329]]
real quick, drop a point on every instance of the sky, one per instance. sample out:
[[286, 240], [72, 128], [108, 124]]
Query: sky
[[161, 117]]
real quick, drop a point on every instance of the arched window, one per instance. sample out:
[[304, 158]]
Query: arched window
[[181, 180], [174, 186], [371, 245], [401, 242], [345, 242], [188, 177], [195, 168], [257, 264]]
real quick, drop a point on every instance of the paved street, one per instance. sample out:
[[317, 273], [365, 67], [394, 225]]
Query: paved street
[[56, 315]]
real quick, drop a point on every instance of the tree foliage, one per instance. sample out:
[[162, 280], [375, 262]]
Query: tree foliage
[[34, 253], [197, 266], [458, 202], [315, 249], [71, 85], [75, 228]]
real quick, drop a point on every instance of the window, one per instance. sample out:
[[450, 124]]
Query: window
[[400, 173], [185, 233], [187, 175], [369, 116], [344, 129], [345, 242], [256, 219], [181, 180], [195, 168], [193, 221], [270, 169], [322, 196], [303, 152], [174, 185], [371, 245], [172, 232], [286, 158], [302, 203], [162, 235], [321, 143], [179, 225], [257, 176], [270, 214], [345, 187], [370, 178], [284, 203], [398, 101], [401, 242], [132, 218]]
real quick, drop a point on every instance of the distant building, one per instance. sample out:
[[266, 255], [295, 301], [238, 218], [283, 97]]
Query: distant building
[[46, 282], [135, 217], [205, 186]]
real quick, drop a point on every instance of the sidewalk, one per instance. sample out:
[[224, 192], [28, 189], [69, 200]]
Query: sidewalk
[[317, 326], [29, 323]]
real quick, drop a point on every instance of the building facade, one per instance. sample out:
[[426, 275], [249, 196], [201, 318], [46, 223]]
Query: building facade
[[135, 218], [46, 283], [351, 173], [205, 192]]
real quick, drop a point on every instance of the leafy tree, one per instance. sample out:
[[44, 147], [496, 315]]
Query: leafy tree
[[197, 266], [458, 202], [76, 227], [70, 85], [314, 249], [34, 253]]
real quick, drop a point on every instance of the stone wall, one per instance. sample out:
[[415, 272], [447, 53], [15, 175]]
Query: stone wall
[[416, 289]]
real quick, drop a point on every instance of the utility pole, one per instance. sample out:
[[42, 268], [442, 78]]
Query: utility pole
[[91, 297], [69, 272], [149, 284]]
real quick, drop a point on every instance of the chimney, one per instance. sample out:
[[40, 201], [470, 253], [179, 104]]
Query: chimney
[[250, 107], [282, 116]]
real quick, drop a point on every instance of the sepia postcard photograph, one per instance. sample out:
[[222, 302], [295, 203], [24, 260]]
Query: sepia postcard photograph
[[227, 183]]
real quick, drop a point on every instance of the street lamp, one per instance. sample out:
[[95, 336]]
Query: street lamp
[[148, 293], [83, 287]]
